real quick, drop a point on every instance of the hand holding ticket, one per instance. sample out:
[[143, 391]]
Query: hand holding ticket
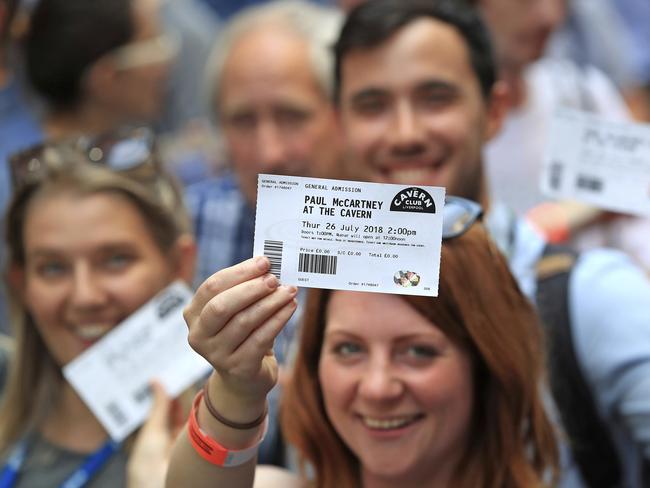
[[350, 235], [114, 375]]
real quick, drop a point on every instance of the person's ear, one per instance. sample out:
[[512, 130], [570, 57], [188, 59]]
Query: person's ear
[[100, 78], [184, 256], [16, 280], [497, 108]]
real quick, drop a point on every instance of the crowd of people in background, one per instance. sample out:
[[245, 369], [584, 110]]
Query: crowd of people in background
[[530, 369]]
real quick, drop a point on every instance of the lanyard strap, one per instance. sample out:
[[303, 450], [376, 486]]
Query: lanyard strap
[[84, 473], [9, 473], [91, 465]]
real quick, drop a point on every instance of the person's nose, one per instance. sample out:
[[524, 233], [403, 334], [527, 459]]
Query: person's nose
[[87, 291], [380, 382], [271, 147], [406, 131]]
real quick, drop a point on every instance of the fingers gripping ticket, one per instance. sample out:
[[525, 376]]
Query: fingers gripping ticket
[[235, 302], [250, 313], [259, 342], [223, 280], [240, 304]]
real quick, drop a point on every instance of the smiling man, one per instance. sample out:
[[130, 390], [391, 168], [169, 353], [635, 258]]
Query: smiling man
[[418, 99], [413, 109]]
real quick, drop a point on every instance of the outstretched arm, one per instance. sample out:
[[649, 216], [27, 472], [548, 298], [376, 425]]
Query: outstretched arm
[[233, 320]]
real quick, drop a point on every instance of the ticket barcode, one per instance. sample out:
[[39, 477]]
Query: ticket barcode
[[116, 413], [273, 251], [556, 175], [142, 394], [317, 263], [589, 183]]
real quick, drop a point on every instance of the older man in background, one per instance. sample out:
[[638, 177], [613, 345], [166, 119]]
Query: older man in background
[[269, 83]]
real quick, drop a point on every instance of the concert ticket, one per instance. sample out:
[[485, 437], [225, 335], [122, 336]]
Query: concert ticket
[[113, 376], [350, 235], [598, 162]]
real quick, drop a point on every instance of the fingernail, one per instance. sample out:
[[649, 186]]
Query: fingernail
[[291, 290], [271, 281], [262, 263]]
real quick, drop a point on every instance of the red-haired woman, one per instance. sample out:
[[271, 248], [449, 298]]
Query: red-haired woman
[[387, 390]]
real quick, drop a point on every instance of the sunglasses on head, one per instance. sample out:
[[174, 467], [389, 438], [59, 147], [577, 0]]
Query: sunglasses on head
[[458, 215], [130, 151]]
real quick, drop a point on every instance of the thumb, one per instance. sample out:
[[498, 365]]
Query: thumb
[[159, 414], [149, 457]]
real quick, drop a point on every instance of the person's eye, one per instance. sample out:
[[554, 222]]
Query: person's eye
[[370, 106], [242, 121], [291, 117], [420, 352], [435, 97], [51, 269], [347, 349], [118, 261]]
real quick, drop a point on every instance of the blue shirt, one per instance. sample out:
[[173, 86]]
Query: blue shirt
[[18, 130], [224, 224]]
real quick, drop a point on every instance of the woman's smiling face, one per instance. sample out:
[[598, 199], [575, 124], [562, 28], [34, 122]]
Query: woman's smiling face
[[90, 262], [396, 389]]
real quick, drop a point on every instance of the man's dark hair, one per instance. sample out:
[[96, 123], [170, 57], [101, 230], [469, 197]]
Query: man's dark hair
[[373, 22], [66, 37]]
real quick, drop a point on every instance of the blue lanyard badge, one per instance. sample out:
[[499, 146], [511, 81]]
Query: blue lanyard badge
[[84, 473]]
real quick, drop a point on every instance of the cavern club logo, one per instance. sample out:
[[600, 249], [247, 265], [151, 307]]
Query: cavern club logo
[[413, 200]]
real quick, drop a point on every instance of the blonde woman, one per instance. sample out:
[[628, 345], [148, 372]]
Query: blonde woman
[[95, 230]]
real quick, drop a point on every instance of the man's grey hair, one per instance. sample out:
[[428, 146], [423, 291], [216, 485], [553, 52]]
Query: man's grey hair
[[318, 25]]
